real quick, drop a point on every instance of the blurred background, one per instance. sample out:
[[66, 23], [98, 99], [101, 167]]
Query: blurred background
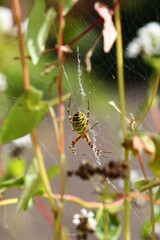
[[99, 86]]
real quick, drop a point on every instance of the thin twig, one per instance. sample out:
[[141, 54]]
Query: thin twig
[[17, 16]]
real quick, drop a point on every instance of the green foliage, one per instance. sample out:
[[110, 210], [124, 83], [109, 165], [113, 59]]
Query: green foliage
[[16, 167], [154, 163], [25, 114], [14, 176], [146, 228], [33, 184], [139, 184], [150, 144], [38, 29], [68, 5], [108, 226], [31, 181], [11, 182], [140, 140]]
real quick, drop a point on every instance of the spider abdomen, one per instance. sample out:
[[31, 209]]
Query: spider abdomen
[[79, 122]]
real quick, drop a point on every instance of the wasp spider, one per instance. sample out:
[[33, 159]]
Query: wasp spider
[[80, 126]]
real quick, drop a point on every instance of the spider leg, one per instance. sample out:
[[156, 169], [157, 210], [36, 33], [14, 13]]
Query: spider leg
[[95, 149], [92, 127], [68, 111], [73, 144], [87, 116]]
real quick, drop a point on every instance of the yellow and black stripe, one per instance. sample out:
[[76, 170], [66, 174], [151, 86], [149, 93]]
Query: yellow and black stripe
[[79, 122]]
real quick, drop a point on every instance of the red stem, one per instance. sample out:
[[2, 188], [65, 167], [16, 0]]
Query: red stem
[[93, 25], [77, 38], [44, 211], [142, 167]]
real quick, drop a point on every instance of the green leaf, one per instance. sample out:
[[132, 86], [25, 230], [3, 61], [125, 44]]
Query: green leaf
[[13, 182], [146, 226], [25, 114], [15, 167], [154, 163], [52, 172], [68, 6], [143, 185], [31, 182], [38, 29], [114, 227], [139, 184]]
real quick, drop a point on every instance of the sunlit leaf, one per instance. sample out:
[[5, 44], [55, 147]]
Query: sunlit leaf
[[45, 28], [15, 167], [31, 182], [109, 32], [114, 227], [25, 114], [38, 29]]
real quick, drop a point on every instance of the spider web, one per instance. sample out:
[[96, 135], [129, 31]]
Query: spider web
[[99, 87]]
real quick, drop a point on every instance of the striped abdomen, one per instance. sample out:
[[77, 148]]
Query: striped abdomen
[[79, 122]]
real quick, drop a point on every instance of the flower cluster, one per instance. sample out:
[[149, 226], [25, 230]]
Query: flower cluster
[[85, 223], [112, 170], [147, 41]]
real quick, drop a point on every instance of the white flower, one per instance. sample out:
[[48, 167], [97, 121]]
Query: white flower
[[147, 41], [85, 214], [23, 141], [3, 82], [6, 20], [24, 26], [76, 219], [133, 48], [157, 229], [7, 25]]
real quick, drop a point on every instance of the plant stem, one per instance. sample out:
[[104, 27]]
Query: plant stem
[[120, 75], [26, 83], [61, 107], [150, 196], [126, 232], [152, 213], [17, 16], [142, 167], [58, 228], [43, 173]]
